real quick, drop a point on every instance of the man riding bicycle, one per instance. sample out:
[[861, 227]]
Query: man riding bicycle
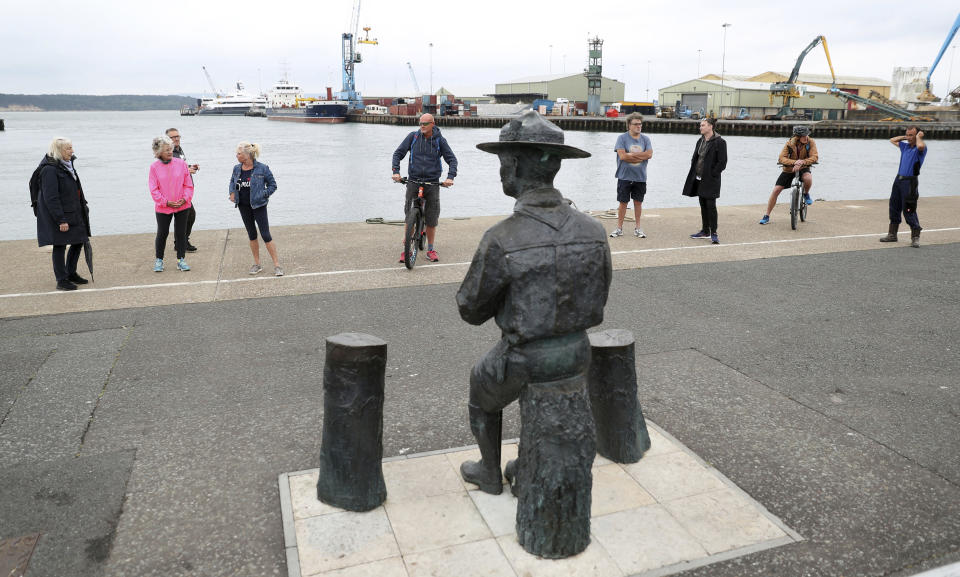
[[426, 146], [797, 155]]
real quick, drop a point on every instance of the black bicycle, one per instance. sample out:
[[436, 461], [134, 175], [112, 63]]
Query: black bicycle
[[798, 206], [414, 227]]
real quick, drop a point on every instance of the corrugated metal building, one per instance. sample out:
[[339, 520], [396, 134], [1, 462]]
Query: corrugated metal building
[[553, 86], [753, 93], [859, 85]]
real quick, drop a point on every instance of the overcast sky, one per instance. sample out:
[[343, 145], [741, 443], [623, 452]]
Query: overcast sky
[[134, 47]]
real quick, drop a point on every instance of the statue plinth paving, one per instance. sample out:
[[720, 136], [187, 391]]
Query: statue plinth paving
[[667, 513]]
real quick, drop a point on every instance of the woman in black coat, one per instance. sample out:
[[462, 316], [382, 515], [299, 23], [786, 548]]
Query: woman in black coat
[[703, 180], [62, 213]]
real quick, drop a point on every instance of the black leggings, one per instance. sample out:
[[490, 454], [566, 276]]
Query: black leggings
[[708, 214], [179, 233], [191, 218], [254, 218], [62, 269]]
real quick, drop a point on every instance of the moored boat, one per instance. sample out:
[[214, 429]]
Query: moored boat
[[313, 110], [235, 104]]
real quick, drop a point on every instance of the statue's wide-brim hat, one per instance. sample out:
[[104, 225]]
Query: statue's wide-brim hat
[[532, 131]]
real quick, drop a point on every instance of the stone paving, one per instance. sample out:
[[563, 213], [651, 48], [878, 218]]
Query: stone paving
[[667, 513]]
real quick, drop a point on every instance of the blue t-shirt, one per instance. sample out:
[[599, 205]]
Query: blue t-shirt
[[635, 171], [911, 159]]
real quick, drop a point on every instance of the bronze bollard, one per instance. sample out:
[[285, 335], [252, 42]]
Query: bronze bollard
[[351, 450], [622, 433]]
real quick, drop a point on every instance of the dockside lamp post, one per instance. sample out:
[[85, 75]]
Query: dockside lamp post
[[648, 81], [723, 63]]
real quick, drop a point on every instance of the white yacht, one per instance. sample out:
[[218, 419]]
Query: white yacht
[[238, 103]]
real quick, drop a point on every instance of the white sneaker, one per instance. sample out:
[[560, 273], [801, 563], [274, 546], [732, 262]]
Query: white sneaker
[[616, 233], [638, 232]]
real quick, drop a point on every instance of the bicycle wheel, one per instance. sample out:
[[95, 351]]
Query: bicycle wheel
[[803, 210], [410, 245], [421, 233], [795, 198]]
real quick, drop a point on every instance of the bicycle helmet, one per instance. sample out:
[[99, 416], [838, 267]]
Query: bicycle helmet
[[801, 130]]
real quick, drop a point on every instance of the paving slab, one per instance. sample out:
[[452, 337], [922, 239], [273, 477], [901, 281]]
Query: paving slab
[[443, 527], [73, 504]]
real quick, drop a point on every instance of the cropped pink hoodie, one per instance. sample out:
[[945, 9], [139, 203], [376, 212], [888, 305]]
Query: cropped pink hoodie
[[170, 182]]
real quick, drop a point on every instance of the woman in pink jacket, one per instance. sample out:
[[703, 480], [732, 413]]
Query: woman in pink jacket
[[172, 189]]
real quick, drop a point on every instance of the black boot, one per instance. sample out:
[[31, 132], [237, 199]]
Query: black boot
[[76, 279], [485, 473], [892, 235], [915, 237]]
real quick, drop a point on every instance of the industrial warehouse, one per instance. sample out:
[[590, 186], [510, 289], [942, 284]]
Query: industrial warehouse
[[750, 97]]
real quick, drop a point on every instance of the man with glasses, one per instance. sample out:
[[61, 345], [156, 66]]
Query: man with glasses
[[174, 135], [633, 151], [426, 147]]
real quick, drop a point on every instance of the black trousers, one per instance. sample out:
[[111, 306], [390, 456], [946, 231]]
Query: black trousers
[[708, 214], [64, 268], [191, 218], [903, 198], [179, 233]]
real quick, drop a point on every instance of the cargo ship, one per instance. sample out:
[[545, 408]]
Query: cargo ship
[[313, 110]]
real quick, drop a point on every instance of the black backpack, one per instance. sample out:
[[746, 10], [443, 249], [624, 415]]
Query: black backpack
[[35, 187]]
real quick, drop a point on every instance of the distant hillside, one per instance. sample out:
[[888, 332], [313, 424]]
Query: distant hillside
[[90, 102]]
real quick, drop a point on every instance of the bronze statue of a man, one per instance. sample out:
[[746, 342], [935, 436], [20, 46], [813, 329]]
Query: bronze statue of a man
[[543, 275]]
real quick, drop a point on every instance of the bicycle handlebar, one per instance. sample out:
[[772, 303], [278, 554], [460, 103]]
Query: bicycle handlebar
[[808, 166], [405, 180]]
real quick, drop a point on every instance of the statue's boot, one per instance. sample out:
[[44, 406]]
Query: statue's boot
[[485, 473], [510, 472]]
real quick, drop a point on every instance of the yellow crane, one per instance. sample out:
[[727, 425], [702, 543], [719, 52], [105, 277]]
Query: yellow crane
[[789, 90]]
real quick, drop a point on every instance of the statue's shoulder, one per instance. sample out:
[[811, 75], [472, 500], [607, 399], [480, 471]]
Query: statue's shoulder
[[584, 221]]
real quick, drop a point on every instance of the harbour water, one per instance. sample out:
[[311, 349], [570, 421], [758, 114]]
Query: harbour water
[[341, 173]]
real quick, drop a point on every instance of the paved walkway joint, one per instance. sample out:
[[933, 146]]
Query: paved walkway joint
[[668, 513]]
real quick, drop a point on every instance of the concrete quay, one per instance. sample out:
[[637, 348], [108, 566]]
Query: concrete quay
[[355, 256], [144, 421]]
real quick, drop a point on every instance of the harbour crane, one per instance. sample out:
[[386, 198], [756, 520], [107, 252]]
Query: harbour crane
[[351, 57], [927, 95], [789, 90], [216, 92], [413, 77]]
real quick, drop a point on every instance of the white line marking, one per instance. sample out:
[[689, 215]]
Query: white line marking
[[780, 241], [429, 266], [227, 281]]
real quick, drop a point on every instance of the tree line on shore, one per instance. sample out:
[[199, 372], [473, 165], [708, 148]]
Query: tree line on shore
[[61, 102]]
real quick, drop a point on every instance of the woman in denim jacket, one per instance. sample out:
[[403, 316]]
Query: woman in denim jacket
[[251, 185]]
